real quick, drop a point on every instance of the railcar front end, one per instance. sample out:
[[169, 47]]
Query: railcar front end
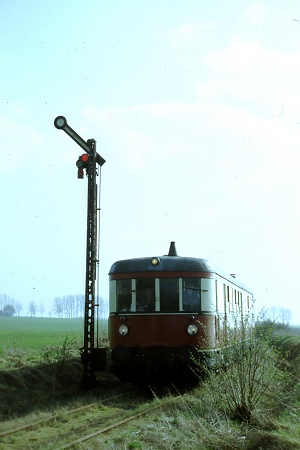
[[165, 315]]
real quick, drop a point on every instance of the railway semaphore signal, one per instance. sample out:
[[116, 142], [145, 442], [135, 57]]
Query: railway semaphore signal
[[90, 162], [61, 124]]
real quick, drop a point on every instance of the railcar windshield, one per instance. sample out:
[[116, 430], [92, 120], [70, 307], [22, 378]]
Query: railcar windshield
[[169, 294], [145, 294], [123, 295], [191, 294], [164, 294]]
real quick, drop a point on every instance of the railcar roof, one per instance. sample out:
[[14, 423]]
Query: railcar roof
[[171, 264]]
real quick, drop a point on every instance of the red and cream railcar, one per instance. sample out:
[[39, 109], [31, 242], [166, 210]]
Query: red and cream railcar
[[167, 311]]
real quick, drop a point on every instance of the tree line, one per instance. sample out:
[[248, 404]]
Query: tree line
[[8, 306], [72, 306], [68, 306], [277, 315]]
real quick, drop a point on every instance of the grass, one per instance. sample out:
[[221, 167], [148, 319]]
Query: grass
[[196, 420], [200, 420], [31, 333], [189, 424], [39, 362]]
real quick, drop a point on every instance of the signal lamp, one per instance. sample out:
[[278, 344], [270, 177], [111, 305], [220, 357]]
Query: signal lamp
[[155, 261], [81, 163], [60, 122]]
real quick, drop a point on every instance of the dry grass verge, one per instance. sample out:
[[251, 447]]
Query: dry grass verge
[[25, 389]]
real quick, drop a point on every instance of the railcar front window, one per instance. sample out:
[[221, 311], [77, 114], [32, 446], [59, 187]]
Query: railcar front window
[[124, 295], [145, 294], [191, 294], [169, 295]]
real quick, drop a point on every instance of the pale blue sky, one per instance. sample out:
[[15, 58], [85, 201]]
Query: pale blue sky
[[195, 107]]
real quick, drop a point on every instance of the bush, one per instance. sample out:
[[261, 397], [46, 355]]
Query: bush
[[247, 372], [59, 355]]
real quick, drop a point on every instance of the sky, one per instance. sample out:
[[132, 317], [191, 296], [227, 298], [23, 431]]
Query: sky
[[195, 108]]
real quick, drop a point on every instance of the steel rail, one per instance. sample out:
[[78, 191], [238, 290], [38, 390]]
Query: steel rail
[[115, 425], [55, 416]]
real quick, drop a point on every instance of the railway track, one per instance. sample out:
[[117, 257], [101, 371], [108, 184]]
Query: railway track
[[75, 426], [57, 416], [116, 425], [32, 434]]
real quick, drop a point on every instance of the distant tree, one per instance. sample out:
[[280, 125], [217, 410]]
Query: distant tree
[[103, 308], [68, 306], [272, 314], [71, 306], [58, 306], [41, 309], [6, 300], [18, 307], [277, 315], [8, 311], [32, 309], [3, 301], [8, 306], [285, 316], [79, 305]]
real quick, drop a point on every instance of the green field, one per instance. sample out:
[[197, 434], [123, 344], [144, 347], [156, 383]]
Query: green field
[[32, 333]]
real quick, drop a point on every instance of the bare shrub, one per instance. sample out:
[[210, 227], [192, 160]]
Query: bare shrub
[[59, 355], [14, 357], [247, 372]]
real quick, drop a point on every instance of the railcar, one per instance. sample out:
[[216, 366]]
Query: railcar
[[167, 312]]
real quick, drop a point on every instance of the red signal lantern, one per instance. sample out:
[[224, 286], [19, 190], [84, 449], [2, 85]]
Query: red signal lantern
[[84, 157], [81, 163]]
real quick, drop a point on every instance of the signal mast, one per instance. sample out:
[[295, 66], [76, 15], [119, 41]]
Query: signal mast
[[92, 358]]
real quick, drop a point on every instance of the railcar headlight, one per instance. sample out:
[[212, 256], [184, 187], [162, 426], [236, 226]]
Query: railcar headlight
[[155, 261], [123, 330], [192, 329]]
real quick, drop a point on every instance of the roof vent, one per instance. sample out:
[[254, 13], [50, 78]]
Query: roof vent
[[172, 249]]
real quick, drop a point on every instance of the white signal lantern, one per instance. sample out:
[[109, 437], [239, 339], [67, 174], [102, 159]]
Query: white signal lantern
[[60, 122]]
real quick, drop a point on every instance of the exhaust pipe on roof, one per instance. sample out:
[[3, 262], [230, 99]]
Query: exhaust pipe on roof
[[172, 249]]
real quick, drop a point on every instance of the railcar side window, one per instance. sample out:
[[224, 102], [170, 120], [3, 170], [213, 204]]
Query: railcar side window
[[228, 308], [191, 294], [169, 294], [123, 295], [145, 294]]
